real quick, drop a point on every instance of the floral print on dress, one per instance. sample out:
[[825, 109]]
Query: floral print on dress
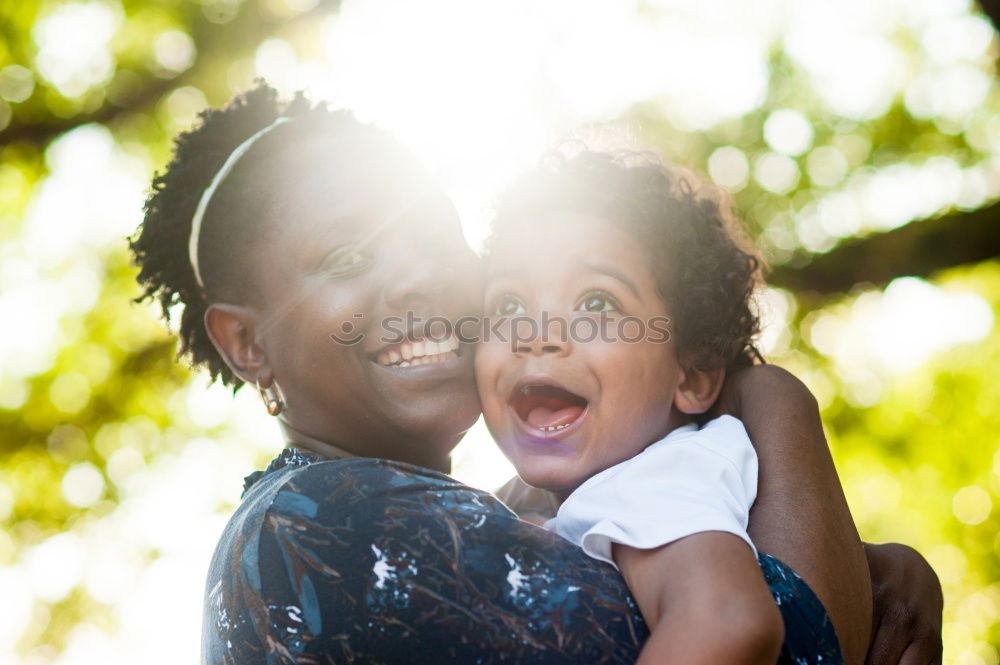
[[363, 560]]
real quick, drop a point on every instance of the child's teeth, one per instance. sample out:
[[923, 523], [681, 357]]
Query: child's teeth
[[553, 428]]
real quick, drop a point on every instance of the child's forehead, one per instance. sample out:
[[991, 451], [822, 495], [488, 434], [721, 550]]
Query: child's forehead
[[561, 239]]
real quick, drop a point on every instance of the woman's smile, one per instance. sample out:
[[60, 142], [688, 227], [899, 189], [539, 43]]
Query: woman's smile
[[419, 352], [426, 359]]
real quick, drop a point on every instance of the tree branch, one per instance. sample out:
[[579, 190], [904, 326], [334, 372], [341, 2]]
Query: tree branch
[[992, 9], [212, 43], [918, 249]]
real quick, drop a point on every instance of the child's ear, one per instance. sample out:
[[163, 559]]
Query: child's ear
[[698, 389]]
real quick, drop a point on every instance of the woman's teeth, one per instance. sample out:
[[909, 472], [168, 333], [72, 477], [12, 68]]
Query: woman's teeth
[[420, 352]]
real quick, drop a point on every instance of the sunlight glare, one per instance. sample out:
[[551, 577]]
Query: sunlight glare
[[478, 462], [857, 82], [481, 95], [788, 131], [73, 45], [895, 330], [729, 168]]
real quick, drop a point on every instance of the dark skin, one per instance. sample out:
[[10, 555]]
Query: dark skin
[[337, 254], [906, 628], [596, 272], [635, 393], [337, 394], [821, 517], [907, 601]]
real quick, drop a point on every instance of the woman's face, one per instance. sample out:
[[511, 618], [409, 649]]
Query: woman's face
[[367, 252]]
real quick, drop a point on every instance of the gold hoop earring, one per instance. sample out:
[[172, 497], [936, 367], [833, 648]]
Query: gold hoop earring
[[272, 398]]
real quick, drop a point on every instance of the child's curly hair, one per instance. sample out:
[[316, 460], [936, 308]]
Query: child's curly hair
[[251, 197], [706, 268]]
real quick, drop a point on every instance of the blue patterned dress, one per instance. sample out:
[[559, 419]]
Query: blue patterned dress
[[367, 560]]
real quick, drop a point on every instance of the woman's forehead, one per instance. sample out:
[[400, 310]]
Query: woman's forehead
[[324, 220], [349, 207], [344, 181], [340, 190], [342, 168]]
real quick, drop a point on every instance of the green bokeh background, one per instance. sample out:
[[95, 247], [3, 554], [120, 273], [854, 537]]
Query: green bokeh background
[[102, 406]]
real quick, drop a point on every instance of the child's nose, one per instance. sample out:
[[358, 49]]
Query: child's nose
[[548, 336]]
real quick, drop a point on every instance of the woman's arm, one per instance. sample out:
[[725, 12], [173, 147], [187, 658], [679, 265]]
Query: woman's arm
[[906, 617], [801, 514], [705, 601]]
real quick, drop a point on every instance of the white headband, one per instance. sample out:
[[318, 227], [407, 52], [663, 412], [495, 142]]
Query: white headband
[[206, 197]]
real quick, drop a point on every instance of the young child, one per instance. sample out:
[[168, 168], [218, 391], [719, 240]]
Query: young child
[[624, 298]]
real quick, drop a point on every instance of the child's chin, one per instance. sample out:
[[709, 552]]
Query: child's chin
[[553, 480], [540, 468]]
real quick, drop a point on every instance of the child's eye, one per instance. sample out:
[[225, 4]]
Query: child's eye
[[597, 302], [345, 260], [508, 306]]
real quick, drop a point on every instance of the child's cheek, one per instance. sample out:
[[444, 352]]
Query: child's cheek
[[490, 357]]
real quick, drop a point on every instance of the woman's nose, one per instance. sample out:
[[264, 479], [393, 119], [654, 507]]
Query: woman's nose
[[418, 284], [422, 272]]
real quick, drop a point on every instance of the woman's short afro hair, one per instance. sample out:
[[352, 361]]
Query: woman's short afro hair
[[160, 244]]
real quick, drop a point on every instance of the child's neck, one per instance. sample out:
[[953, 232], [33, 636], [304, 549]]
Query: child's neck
[[677, 420]]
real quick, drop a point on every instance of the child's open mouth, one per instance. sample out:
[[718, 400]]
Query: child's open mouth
[[546, 407]]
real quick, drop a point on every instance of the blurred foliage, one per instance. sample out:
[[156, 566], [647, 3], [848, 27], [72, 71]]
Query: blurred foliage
[[921, 465], [859, 148], [918, 448]]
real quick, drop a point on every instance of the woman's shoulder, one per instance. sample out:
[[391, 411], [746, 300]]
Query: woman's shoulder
[[325, 490], [296, 465], [368, 475], [330, 506], [345, 556]]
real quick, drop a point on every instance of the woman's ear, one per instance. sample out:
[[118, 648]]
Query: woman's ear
[[231, 329], [698, 389]]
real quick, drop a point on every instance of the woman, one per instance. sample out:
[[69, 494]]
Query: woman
[[290, 244]]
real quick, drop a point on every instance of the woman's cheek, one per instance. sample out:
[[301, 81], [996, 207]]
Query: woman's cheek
[[335, 310]]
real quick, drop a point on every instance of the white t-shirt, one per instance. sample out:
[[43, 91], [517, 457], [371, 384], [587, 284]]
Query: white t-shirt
[[692, 480]]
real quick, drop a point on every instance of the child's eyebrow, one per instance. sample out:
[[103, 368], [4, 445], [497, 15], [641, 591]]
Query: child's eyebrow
[[612, 271]]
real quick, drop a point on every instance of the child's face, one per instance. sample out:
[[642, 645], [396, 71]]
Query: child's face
[[569, 407]]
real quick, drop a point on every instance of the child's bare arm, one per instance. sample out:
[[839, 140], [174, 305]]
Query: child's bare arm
[[705, 601]]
